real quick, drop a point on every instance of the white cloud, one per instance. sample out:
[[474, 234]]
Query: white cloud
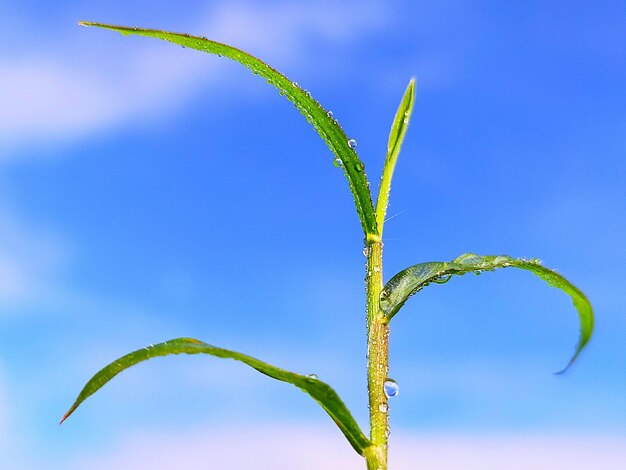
[[300, 447], [69, 95]]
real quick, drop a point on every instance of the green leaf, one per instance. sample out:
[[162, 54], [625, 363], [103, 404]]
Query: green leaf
[[316, 115], [406, 283], [396, 137], [321, 392]]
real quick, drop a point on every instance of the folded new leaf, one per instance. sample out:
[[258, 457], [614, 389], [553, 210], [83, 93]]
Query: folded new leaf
[[406, 283], [321, 392], [322, 120]]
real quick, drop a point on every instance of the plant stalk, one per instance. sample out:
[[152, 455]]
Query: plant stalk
[[377, 357]]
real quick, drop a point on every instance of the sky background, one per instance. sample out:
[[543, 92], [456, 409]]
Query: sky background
[[149, 192]]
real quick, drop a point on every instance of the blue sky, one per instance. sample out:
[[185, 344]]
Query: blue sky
[[149, 192]]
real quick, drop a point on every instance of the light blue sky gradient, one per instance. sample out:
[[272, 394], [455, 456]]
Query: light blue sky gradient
[[149, 192]]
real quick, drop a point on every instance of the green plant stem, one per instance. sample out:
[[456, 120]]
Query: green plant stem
[[377, 357]]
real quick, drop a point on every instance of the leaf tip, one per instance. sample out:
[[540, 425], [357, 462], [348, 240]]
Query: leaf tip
[[66, 415]]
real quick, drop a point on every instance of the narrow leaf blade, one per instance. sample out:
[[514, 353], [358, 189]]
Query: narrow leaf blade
[[396, 137], [413, 279], [327, 127], [321, 392]]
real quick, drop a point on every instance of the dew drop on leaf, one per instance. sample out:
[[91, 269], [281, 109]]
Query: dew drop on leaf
[[352, 143], [312, 376], [337, 162], [329, 114], [391, 388]]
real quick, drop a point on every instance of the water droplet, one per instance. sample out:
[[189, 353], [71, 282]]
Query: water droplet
[[352, 143], [391, 388], [443, 279], [383, 407], [337, 162], [329, 114], [308, 93], [387, 431], [376, 269], [366, 250], [295, 84], [335, 121], [312, 376]]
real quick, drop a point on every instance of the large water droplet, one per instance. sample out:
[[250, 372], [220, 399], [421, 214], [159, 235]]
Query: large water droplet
[[366, 250], [337, 162], [312, 376], [352, 143], [329, 114], [391, 388]]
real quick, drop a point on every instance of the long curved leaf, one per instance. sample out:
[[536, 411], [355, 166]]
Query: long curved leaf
[[327, 127], [411, 280], [321, 392]]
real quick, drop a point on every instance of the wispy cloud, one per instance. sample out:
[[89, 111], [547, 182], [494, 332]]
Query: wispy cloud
[[70, 95], [303, 448]]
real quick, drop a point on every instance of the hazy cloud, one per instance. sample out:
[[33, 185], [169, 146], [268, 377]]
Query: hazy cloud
[[69, 94]]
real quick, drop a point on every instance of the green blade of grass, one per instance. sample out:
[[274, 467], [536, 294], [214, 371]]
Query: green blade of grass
[[321, 392], [327, 127], [396, 137], [411, 280]]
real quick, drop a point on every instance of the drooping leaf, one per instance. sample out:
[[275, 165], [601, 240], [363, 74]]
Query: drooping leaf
[[396, 137], [321, 392], [411, 280], [323, 122]]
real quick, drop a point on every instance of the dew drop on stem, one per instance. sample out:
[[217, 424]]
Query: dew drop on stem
[[391, 388]]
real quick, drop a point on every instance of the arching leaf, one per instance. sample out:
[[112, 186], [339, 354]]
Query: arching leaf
[[323, 122], [321, 392], [411, 280]]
